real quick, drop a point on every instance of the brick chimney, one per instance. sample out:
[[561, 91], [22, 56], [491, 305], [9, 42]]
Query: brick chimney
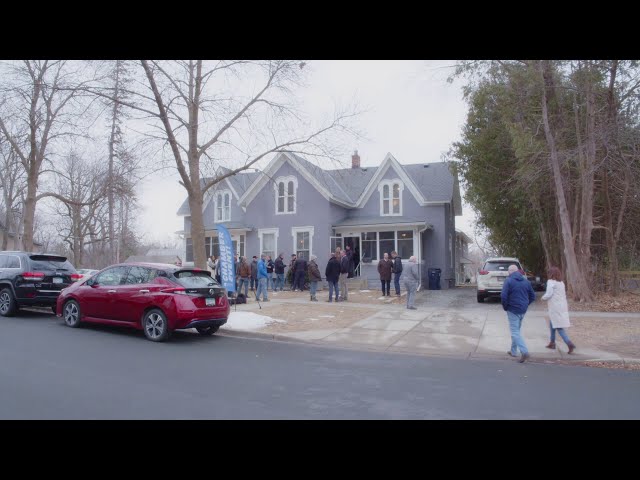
[[355, 160]]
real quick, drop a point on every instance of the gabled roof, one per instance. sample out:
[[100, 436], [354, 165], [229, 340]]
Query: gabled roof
[[351, 187]]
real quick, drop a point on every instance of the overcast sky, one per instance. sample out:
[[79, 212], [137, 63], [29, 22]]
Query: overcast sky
[[413, 113]]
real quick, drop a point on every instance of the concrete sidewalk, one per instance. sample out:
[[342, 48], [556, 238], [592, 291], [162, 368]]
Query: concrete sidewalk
[[475, 332]]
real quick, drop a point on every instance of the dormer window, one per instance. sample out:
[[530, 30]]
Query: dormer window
[[285, 192], [223, 206], [391, 197]]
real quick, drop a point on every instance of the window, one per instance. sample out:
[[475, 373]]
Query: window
[[387, 243], [285, 194], [9, 261], [268, 241], [140, 275], [405, 244], [111, 277], [223, 206], [302, 241], [391, 197], [369, 246], [241, 253]]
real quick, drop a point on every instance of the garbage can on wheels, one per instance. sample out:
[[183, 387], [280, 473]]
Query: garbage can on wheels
[[434, 278]]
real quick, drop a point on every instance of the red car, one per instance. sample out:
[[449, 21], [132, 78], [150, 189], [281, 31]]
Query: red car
[[155, 298]]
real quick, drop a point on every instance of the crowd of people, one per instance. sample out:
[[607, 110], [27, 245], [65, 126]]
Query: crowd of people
[[264, 274]]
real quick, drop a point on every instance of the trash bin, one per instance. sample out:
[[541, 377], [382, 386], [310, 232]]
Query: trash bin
[[434, 278]]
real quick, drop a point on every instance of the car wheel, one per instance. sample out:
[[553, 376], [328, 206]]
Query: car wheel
[[155, 326], [480, 298], [207, 330], [71, 314], [8, 307]]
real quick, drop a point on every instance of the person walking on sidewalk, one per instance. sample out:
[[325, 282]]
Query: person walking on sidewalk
[[314, 277], [558, 308], [384, 269], [411, 280], [517, 294], [332, 274], [344, 274], [397, 271], [263, 277]]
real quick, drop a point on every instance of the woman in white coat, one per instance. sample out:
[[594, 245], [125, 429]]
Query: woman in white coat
[[558, 308]]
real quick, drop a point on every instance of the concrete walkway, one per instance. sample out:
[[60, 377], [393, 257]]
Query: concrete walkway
[[475, 332]]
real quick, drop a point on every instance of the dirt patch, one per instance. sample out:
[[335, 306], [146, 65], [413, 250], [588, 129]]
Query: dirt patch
[[314, 316], [614, 365], [620, 335], [626, 302]]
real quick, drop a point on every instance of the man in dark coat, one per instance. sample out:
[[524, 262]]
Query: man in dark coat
[[299, 272], [332, 273], [384, 269], [351, 261], [292, 269], [517, 294], [254, 273], [279, 269]]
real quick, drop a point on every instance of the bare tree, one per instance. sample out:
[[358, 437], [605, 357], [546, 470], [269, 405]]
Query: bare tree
[[35, 94], [12, 183], [226, 113]]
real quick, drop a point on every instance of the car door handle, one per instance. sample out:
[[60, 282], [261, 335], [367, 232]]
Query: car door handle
[[111, 291], [143, 291]]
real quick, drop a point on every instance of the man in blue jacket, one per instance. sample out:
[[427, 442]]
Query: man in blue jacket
[[517, 295], [262, 278]]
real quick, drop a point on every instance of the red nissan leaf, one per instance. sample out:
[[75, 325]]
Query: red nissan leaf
[[154, 298]]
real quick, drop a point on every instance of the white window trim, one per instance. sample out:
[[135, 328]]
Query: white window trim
[[215, 205], [390, 183], [294, 234], [261, 232], [286, 181]]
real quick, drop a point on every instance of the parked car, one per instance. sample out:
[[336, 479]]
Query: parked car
[[32, 280], [87, 272], [492, 275], [155, 298]]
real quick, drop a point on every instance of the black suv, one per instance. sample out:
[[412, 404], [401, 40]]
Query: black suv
[[32, 279]]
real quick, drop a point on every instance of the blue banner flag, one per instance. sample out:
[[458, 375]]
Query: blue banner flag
[[227, 268]]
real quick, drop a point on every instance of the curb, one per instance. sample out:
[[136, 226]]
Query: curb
[[259, 335]]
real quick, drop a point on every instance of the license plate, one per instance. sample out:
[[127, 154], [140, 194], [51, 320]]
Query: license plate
[[57, 280], [501, 279], [210, 302]]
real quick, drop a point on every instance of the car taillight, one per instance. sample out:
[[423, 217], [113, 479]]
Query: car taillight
[[484, 272], [37, 276], [178, 290], [76, 276]]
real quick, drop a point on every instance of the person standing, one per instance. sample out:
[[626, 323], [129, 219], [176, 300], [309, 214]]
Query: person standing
[[217, 270], [350, 259], [397, 271], [384, 270], [558, 308], [244, 272], [292, 269], [411, 280], [261, 267], [254, 273], [344, 274], [517, 294], [299, 272], [279, 270], [270, 275], [314, 277], [211, 267], [332, 274]]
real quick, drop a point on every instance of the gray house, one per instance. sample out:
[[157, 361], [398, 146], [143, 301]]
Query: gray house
[[294, 206]]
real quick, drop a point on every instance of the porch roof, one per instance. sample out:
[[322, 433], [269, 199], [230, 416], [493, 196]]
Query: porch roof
[[382, 221]]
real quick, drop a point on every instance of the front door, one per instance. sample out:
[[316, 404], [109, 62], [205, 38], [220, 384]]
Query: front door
[[99, 293]]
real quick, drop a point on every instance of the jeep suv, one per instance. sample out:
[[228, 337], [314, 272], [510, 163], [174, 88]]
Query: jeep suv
[[492, 275], [33, 280]]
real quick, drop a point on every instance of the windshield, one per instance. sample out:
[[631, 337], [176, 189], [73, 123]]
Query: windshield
[[47, 262], [499, 266], [195, 279]]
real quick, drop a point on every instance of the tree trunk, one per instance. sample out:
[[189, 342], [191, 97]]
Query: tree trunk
[[29, 210], [580, 288], [112, 141]]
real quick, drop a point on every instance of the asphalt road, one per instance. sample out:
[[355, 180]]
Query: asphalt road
[[49, 371]]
